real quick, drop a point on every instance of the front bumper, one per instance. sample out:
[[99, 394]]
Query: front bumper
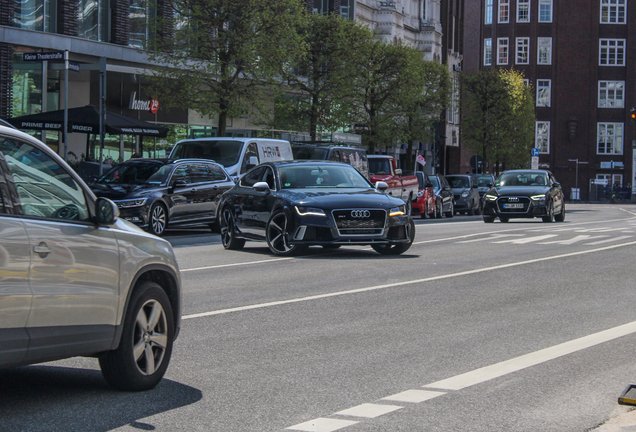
[[135, 215], [515, 207], [326, 230], [463, 204]]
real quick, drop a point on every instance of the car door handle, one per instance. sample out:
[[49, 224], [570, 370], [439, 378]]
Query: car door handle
[[42, 249]]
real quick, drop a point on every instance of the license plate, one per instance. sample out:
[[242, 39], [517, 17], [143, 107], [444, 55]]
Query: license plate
[[513, 206]]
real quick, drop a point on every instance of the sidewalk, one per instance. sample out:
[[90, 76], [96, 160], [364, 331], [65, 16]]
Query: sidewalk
[[625, 421]]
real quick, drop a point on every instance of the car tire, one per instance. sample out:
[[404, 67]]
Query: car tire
[[489, 219], [471, 210], [409, 206], [229, 237], [451, 210], [424, 214], [144, 351], [437, 211], [504, 219], [561, 216], [399, 248], [277, 235], [550, 216], [157, 219]]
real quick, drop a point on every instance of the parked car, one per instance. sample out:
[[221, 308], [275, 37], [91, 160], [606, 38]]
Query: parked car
[[525, 194], [237, 155], [76, 279], [293, 205], [159, 193], [484, 183], [355, 157], [444, 201], [425, 204], [383, 168], [465, 193]]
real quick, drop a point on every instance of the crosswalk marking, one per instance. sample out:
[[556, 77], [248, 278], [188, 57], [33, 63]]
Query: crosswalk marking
[[608, 240], [527, 240], [573, 240], [322, 425], [492, 237]]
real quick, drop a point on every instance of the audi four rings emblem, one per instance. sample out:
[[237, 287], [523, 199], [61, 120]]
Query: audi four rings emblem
[[513, 199], [360, 213]]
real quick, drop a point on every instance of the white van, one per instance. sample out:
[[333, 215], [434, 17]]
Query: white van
[[237, 155]]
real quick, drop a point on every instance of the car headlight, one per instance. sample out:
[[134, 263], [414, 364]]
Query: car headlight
[[397, 211], [464, 194], [420, 194], [310, 211], [490, 197], [132, 203], [538, 198]]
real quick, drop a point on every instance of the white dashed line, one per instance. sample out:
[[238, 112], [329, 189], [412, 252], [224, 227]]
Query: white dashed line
[[322, 425], [608, 240], [369, 410], [414, 396]]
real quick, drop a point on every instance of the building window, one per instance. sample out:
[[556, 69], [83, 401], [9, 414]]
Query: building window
[[504, 11], [618, 179], [613, 11], [346, 8], [39, 15], [610, 138], [92, 20], [545, 10], [544, 53], [523, 48], [543, 93], [611, 94], [526, 82], [488, 12], [523, 11], [502, 51], [612, 52], [542, 137], [142, 19], [487, 52]]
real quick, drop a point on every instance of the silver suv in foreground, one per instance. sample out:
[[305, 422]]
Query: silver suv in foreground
[[74, 279]]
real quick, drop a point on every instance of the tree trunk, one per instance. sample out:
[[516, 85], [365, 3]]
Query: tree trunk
[[313, 121], [409, 146], [222, 122]]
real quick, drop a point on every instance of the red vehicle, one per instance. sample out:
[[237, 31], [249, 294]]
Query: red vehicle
[[425, 204], [383, 168]]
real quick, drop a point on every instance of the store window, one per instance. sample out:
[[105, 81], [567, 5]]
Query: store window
[[92, 20], [39, 15]]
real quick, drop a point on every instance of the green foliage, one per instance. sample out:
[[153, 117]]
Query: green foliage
[[318, 84], [224, 53], [498, 116]]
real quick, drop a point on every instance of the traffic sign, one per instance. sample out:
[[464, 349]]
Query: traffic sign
[[535, 152], [535, 163]]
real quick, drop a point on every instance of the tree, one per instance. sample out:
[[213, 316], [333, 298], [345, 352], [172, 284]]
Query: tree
[[225, 53], [319, 84], [497, 116], [423, 96]]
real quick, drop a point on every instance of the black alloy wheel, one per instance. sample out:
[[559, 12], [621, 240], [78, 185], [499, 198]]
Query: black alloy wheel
[[228, 231], [144, 351], [424, 214], [158, 219], [397, 248], [277, 236], [437, 213]]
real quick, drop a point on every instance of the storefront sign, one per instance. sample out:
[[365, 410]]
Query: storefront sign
[[346, 138], [151, 105]]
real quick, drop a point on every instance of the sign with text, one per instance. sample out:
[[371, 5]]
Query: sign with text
[[46, 56], [535, 163]]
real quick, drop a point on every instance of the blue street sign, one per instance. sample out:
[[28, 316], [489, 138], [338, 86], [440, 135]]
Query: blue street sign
[[58, 55], [535, 152]]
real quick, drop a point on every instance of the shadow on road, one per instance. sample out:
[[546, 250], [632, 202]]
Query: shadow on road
[[46, 398]]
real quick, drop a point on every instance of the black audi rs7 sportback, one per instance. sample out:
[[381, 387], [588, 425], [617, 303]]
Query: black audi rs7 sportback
[[292, 205]]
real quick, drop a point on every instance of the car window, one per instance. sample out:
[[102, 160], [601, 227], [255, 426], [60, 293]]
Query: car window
[[135, 173], [335, 156], [198, 173], [321, 176], [379, 166], [269, 178], [251, 150], [180, 173], [252, 177], [216, 173], [459, 182], [45, 189]]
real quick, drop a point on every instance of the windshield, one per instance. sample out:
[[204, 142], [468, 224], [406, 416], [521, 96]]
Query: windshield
[[483, 181], [310, 153], [458, 182], [522, 179], [227, 152], [137, 173], [379, 166], [321, 176], [435, 182]]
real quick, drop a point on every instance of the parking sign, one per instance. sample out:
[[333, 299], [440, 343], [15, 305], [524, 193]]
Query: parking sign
[[535, 152]]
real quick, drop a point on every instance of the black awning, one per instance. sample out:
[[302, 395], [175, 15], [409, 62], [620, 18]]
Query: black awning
[[86, 120]]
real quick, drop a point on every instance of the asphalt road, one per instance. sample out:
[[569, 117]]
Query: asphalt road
[[523, 326]]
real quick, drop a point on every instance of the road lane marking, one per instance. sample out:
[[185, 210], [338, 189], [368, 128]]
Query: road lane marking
[[527, 239], [235, 264], [492, 237], [573, 240], [322, 425], [369, 410], [414, 396], [608, 240], [398, 284], [516, 364]]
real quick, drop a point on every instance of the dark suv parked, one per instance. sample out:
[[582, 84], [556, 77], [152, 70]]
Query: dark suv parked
[[157, 193]]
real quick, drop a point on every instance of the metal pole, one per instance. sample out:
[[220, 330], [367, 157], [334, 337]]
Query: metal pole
[[102, 110], [45, 80], [65, 131]]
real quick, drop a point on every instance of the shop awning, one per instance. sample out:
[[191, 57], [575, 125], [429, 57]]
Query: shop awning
[[86, 120]]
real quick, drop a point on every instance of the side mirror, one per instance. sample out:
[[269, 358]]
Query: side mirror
[[381, 186], [398, 171], [261, 187], [106, 211]]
